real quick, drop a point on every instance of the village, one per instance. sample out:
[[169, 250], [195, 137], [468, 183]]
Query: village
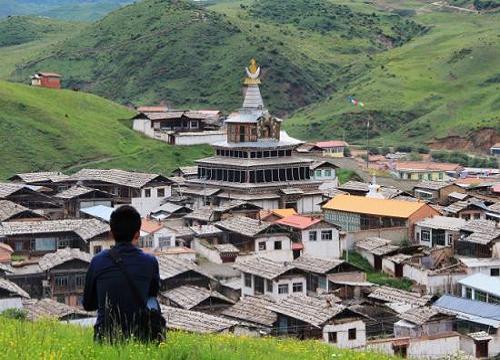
[[263, 239]]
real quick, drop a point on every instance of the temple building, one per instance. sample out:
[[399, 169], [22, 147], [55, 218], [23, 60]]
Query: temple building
[[256, 162]]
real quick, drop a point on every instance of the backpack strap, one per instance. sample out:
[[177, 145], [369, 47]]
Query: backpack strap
[[117, 259]]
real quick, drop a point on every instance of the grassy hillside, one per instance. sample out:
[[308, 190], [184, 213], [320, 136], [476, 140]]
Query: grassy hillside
[[82, 10], [193, 56], [50, 340], [24, 37], [443, 83], [43, 129]]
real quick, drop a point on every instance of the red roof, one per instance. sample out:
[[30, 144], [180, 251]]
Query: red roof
[[297, 246], [298, 221], [150, 226], [426, 165], [330, 144]]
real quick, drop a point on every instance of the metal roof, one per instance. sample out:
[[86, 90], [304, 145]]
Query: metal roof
[[475, 311], [482, 282], [100, 212]]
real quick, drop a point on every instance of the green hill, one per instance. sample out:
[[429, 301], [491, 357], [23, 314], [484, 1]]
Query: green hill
[[81, 10], [24, 37], [442, 85], [44, 129], [51, 340], [194, 56]]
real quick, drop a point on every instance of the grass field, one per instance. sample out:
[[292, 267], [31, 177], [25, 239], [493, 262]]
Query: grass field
[[44, 129], [443, 83], [50, 340]]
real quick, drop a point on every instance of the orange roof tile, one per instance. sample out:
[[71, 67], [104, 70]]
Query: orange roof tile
[[284, 212], [298, 221], [329, 144], [380, 207], [426, 165], [150, 226]]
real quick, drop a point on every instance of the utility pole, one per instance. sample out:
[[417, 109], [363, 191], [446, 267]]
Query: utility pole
[[367, 143]]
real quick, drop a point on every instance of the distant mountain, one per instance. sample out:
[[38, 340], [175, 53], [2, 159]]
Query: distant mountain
[[191, 55], [45, 129], [79, 10]]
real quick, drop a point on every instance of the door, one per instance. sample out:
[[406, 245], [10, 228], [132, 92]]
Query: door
[[377, 262], [482, 349], [399, 270]]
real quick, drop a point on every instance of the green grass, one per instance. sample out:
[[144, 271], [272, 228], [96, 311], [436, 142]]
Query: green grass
[[375, 276], [81, 10], [443, 83], [344, 175], [45, 129], [51, 340]]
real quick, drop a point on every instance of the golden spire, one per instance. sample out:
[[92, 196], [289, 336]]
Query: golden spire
[[253, 73]]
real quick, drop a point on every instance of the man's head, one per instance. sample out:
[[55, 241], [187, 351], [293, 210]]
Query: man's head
[[125, 224]]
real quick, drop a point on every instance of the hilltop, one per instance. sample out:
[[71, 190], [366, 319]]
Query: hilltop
[[194, 56], [51, 340], [44, 129], [441, 87], [81, 10]]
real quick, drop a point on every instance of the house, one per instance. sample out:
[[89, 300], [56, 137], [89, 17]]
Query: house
[[262, 276], [169, 211], [355, 188], [176, 271], [255, 236], [438, 231], [494, 212], [40, 237], [307, 317], [333, 148], [276, 214], [487, 266], [467, 209], [77, 198], [46, 80], [9, 289], [48, 308], [318, 238], [143, 191], [318, 272], [181, 127], [10, 211], [478, 323], [54, 180], [481, 287], [208, 243], [32, 197], [324, 170], [436, 192], [423, 321], [197, 322], [186, 172], [424, 170], [374, 249], [253, 310], [191, 297], [378, 318], [65, 275], [495, 149], [355, 213], [478, 238]]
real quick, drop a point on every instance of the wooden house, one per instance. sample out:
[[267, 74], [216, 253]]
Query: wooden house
[[46, 80], [79, 197], [10, 211], [436, 192]]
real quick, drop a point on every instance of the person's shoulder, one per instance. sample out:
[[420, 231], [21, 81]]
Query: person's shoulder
[[104, 254]]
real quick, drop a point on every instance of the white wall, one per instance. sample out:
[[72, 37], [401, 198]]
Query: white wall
[[288, 280], [164, 234], [389, 267], [145, 205], [211, 254], [343, 332], [309, 204], [285, 254], [325, 249], [434, 283], [205, 137], [367, 255]]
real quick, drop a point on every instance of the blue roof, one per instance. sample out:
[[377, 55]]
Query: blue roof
[[99, 212], [471, 310], [482, 282]]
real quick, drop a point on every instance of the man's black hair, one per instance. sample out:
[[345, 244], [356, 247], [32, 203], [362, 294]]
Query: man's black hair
[[125, 222]]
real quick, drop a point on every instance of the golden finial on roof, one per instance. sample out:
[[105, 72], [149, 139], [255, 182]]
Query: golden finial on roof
[[253, 73]]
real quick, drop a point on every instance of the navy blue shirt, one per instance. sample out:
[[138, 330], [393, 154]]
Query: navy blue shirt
[[107, 288]]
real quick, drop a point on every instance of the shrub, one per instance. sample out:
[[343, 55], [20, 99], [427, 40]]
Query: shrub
[[16, 314]]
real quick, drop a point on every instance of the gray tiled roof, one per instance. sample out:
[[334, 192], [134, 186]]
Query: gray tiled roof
[[263, 267], [84, 228], [115, 176], [171, 266], [76, 191], [194, 321], [12, 288], [188, 296], [9, 209], [310, 310], [42, 176], [419, 315], [316, 265], [442, 222], [59, 257], [392, 295], [37, 309], [431, 185], [253, 309], [243, 225]]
